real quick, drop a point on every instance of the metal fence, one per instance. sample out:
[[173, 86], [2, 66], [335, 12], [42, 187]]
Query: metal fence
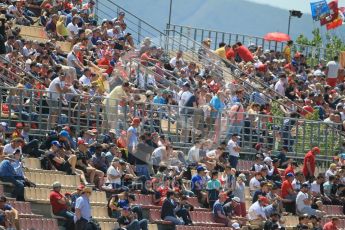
[[200, 34], [183, 128]]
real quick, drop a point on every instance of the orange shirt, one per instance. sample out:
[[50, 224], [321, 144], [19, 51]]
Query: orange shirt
[[286, 186], [330, 226], [309, 157]]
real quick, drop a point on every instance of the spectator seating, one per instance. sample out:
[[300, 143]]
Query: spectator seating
[[23, 208], [183, 227], [38, 224], [334, 210], [204, 218], [46, 180], [108, 225], [145, 201], [100, 213], [34, 164], [41, 195], [155, 217], [291, 221]]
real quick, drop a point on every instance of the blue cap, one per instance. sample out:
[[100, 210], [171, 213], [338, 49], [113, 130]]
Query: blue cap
[[290, 175], [126, 208], [56, 143], [342, 156], [64, 133], [200, 168]]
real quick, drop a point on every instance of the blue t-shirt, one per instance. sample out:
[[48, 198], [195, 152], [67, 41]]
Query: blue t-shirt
[[217, 207], [123, 203], [133, 140], [6, 169], [217, 104], [197, 183], [83, 204], [159, 100]]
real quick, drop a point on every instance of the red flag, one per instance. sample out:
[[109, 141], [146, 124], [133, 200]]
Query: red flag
[[336, 23], [334, 12]]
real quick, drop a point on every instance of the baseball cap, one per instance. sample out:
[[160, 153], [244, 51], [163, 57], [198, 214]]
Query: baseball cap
[[64, 133], [136, 121], [242, 177], [186, 84], [235, 135], [316, 149], [56, 143], [236, 199], [290, 175], [82, 142], [200, 168], [264, 200], [56, 184], [305, 185], [81, 187]]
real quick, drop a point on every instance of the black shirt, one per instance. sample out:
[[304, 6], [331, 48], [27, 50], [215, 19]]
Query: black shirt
[[143, 153], [123, 220]]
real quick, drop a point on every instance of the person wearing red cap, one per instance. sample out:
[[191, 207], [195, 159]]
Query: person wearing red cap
[[74, 196], [256, 212], [17, 132], [218, 210], [309, 163]]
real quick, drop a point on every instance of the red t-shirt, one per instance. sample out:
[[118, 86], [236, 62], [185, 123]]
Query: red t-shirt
[[307, 109], [245, 54], [230, 54], [289, 169], [103, 61], [330, 226], [54, 197], [309, 157], [286, 186]]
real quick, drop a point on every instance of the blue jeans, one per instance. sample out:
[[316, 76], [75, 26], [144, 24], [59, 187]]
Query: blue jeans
[[174, 220], [18, 183], [233, 161], [143, 170], [69, 218], [137, 225]]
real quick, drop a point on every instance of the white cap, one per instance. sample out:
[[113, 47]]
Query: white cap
[[268, 159], [236, 226], [236, 199]]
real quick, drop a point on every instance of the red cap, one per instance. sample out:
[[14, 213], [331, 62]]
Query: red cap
[[262, 68], [136, 121], [316, 150], [264, 200], [297, 55], [80, 187], [19, 125], [48, 6], [332, 91], [81, 142], [123, 132]]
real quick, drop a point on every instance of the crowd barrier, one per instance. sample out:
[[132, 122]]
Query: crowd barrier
[[200, 34], [182, 125]]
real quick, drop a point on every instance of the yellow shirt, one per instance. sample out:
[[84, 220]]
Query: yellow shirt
[[287, 53], [61, 29], [115, 96], [221, 52]]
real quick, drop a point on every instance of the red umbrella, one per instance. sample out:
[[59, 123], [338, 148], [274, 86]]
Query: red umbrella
[[277, 36]]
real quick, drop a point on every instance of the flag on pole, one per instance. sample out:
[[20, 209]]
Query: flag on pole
[[333, 15], [319, 9]]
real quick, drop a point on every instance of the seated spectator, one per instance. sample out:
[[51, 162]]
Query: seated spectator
[[114, 175], [331, 171], [288, 192], [99, 160], [9, 215], [263, 191], [128, 221], [302, 222], [213, 188], [10, 148], [303, 202], [254, 183], [273, 220], [171, 209], [291, 168], [199, 184], [8, 174], [298, 181], [59, 205], [239, 192], [219, 212], [332, 224], [256, 212]]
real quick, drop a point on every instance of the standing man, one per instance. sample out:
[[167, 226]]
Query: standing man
[[83, 210], [309, 163], [234, 150], [133, 139], [287, 51], [332, 72]]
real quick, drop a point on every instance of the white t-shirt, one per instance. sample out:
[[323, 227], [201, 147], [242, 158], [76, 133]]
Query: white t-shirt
[[279, 87], [71, 59], [333, 68], [73, 29], [231, 145], [11, 9], [85, 81], [211, 154], [301, 197], [113, 172], [329, 173], [173, 60], [8, 149], [111, 34], [256, 211], [193, 154], [53, 94], [184, 97], [315, 187], [254, 184]]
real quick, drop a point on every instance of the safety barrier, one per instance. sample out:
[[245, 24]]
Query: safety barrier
[[182, 125], [200, 34]]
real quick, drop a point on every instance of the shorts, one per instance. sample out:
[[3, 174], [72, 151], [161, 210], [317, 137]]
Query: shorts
[[53, 105]]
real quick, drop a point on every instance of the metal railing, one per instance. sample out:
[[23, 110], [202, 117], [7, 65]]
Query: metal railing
[[200, 34], [182, 128]]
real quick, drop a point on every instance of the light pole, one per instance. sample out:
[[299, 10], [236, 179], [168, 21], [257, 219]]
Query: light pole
[[293, 13], [170, 8]]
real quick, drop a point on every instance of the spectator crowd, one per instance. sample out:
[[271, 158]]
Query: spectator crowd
[[105, 101]]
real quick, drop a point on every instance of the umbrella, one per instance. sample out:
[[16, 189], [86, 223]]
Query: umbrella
[[277, 36]]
